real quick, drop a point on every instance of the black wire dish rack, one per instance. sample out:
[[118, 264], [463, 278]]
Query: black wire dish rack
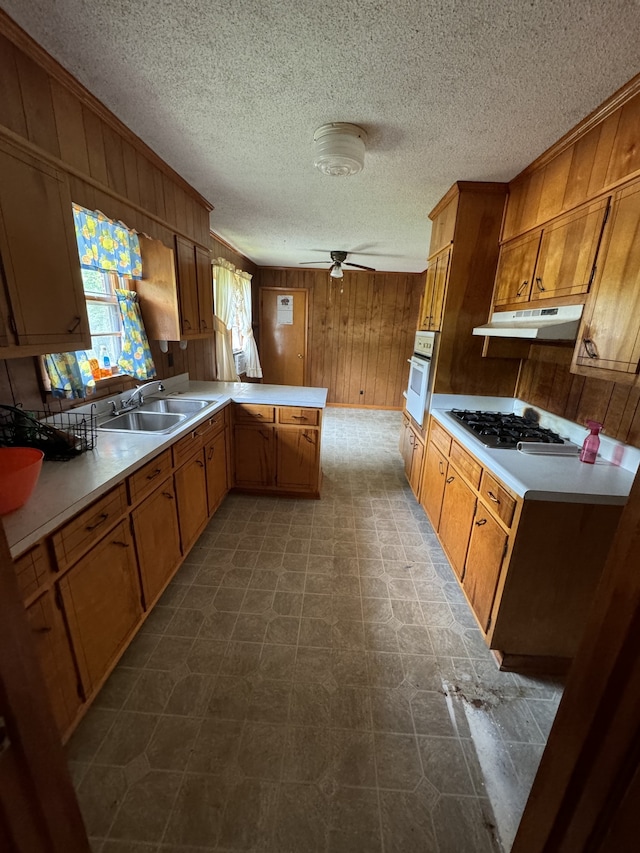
[[60, 435]]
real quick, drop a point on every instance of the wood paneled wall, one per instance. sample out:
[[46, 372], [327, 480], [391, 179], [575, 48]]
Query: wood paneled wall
[[545, 381], [359, 340], [110, 169], [597, 156]]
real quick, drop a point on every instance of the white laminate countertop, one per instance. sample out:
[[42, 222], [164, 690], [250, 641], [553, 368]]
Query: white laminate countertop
[[65, 488], [544, 478]]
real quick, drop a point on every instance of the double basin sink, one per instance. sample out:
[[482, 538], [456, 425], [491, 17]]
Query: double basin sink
[[156, 415]]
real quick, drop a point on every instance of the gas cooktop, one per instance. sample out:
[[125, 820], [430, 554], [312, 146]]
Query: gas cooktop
[[499, 429]]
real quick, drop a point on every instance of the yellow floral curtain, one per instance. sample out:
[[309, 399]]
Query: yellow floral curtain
[[104, 244]]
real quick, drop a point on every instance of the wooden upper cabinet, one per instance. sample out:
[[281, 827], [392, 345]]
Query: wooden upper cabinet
[[515, 269], [187, 287], [610, 335], [42, 299], [435, 290], [556, 260], [204, 282], [567, 256]]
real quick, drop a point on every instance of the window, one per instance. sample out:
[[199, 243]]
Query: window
[[237, 338], [105, 321]]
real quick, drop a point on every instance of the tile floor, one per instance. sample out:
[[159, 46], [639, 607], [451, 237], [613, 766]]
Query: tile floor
[[312, 680]]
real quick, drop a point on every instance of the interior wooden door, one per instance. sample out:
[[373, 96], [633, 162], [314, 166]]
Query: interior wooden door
[[283, 335]]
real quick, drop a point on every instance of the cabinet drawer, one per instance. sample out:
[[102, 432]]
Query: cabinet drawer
[[213, 425], [440, 437], [79, 535], [293, 415], [187, 446], [247, 413], [497, 497], [144, 481], [466, 464], [31, 570]]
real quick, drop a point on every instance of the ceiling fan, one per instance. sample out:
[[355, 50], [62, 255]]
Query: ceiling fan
[[338, 259]]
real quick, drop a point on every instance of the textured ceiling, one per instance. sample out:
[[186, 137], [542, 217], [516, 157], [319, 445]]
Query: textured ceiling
[[229, 94]]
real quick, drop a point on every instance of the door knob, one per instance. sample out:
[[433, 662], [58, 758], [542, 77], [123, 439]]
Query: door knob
[[300, 355]]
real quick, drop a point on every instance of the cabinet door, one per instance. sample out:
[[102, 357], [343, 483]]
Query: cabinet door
[[406, 449], [417, 455], [426, 312], [297, 458], [433, 482], [102, 603], [456, 518], [484, 561], [187, 288], [217, 478], [44, 296], [204, 281], [191, 494], [567, 257], [56, 660], [515, 269], [611, 334], [440, 288], [254, 456], [157, 537]]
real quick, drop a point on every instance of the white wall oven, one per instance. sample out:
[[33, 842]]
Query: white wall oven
[[419, 388]]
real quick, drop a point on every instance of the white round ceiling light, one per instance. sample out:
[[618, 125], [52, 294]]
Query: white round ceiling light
[[340, 149]]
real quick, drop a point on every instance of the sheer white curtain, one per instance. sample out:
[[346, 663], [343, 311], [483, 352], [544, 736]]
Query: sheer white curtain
[[225, 312], [249, 348]]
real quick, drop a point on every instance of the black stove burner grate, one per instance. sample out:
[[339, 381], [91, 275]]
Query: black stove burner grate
[[500, 429]]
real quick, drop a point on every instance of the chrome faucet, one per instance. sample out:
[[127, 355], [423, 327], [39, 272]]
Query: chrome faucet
[[130, 402]]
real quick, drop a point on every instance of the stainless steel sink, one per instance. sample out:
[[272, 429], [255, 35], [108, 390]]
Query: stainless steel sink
[[139, 421], [171, 404]]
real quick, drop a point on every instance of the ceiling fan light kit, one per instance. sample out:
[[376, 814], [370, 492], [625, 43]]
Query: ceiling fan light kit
[[340, 149], [336, 271]]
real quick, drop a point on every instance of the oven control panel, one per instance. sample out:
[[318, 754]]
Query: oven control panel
[[424, 344]]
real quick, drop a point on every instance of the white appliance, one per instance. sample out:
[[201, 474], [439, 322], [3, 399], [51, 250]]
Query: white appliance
[[419, 388], [534, 324]]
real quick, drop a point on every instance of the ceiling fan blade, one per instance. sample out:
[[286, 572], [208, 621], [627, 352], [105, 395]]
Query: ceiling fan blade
[[308, 263], [360, 267]]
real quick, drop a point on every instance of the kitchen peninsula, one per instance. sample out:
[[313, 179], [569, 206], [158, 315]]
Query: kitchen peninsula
[[103, 534]]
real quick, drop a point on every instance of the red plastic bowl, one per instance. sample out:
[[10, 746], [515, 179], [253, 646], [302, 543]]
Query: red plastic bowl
[[19, 472]]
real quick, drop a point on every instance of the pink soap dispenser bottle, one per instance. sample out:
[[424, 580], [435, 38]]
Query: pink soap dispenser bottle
[[591, 443]]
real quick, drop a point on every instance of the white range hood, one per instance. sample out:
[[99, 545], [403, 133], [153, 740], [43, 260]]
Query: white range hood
[[535, 324]]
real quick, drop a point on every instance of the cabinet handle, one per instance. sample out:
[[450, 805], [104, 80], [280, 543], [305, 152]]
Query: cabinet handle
[[5, 741], [120, 544], [440, 467], [299, 417], [155, 474], [308, 438], [522, 287], [450, 479], [493, 498], [74, 325], [168, 495], [199, 463], [590, 348], [102, 519], [187, 323], [539, 284], [46, 629], [210, 456], [480, 522]]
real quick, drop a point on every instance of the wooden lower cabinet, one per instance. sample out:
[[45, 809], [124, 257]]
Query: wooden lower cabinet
[[297, 458], [157, 538], [412, 452], [281, 456], [487, 550], [254, 456], [215, 452], [56, 659], [456, 518], [528, 568], [102, 602], [191, 494]]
